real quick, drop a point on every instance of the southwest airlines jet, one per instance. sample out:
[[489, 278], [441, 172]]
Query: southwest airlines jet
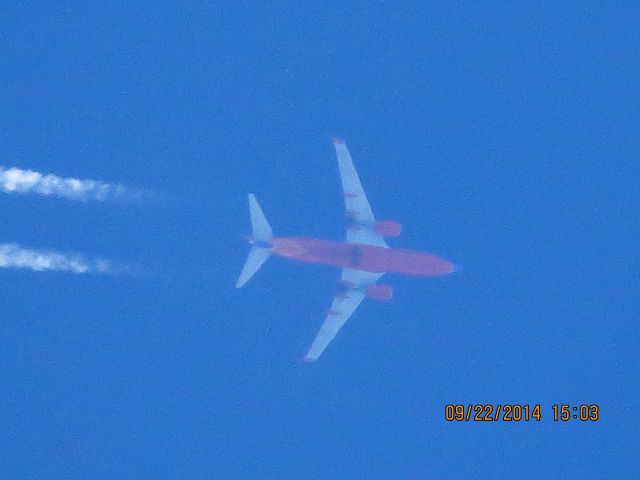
[[364, 257]]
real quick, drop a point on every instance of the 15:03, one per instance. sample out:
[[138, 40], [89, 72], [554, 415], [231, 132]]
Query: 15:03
[[584, 412]]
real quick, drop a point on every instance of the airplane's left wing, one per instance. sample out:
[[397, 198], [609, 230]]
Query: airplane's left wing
[[343, 306], [355, 200]]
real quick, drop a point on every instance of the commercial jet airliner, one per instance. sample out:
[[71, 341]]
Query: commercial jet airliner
[[363, 258]]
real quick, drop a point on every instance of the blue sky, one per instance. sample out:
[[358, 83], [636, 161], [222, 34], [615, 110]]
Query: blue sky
[[504, 136]]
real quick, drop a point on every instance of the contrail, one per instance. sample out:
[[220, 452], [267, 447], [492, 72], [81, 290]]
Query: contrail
[[13, 255], [15, 180]]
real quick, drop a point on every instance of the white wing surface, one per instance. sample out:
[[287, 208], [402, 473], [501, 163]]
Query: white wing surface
[[259, 224], [343, 306], [356, 203], [257, 256]]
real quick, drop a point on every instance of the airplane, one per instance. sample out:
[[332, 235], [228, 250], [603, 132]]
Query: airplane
[[364, 258]]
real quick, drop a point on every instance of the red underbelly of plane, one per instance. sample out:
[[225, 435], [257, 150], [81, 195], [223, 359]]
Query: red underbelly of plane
[[361, 257]]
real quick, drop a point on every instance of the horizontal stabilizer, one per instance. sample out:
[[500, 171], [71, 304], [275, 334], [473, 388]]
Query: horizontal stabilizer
[[260, 246], [257, 256], [259, 223]]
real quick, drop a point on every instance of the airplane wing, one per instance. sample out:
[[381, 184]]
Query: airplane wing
[[342, 308], [356, 203]]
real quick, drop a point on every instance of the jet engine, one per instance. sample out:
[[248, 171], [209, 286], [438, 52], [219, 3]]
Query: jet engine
[[387, 228], [382, 293]]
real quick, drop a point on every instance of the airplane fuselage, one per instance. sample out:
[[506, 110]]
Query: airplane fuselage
[[369, 258]]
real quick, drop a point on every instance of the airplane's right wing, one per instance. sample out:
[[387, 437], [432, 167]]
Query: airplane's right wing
[[356, 203], [342, 308]]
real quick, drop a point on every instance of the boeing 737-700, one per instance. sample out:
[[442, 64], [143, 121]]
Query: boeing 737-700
[[364, 257]]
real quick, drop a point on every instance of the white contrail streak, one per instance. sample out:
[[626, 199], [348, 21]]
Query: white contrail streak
[[15, 180], [13, 255]]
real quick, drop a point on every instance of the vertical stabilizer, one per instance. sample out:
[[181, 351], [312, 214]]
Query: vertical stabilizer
[[260, 246]]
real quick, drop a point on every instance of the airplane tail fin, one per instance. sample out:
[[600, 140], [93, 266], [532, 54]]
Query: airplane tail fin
[[260, 242]]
